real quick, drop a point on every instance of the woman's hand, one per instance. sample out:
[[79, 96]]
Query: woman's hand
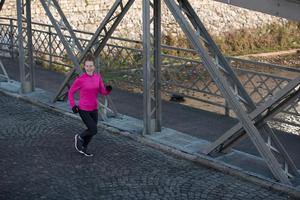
[[108, 88], [75, 109]]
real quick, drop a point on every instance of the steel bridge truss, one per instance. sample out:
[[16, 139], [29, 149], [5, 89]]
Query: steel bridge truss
[[234, 93], [26, 63], [3, 74], [252, 119], [73, 47], [152, 67]]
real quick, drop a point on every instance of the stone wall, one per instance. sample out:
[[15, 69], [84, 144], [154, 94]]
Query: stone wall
[[87, 14]]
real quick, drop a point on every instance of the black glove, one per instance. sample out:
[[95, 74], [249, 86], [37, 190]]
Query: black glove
[[108, 88], [75, 109]]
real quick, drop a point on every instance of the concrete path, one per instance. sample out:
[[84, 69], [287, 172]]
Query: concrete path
[[195, 122]]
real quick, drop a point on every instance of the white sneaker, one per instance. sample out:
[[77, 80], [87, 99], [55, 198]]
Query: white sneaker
[[85, 152], [78, 143]]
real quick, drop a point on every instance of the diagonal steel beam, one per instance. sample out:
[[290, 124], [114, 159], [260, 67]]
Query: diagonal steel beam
[[285, 97], [230, 93], [218, 57], [1, 4], [95, 45], [270, 107], [99, 39], [230, 76], [67, 25], [59, 29], [4, 75]]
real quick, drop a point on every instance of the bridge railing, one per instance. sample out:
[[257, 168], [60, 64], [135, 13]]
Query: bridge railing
[[182, 71]]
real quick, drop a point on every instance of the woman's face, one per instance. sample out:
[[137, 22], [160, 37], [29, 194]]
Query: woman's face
[[89, 67]]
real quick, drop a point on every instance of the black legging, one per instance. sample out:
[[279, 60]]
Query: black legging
[[90, 119]]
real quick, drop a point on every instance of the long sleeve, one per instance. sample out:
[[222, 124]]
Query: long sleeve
[[102, 89], [73, 89]]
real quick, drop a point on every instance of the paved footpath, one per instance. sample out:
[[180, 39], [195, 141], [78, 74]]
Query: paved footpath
[[38, 161], [201, 124]]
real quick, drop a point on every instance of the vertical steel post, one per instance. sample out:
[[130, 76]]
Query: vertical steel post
[[146, 67], [157, 63], [152, 63], [97, 63], [227, 109], [26, 72], [11, 36], [21, 48], [29, 45], [50, 46]]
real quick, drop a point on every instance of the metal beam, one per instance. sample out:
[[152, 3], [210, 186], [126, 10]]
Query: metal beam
[[67, 25], [59, 25], [4, 75], [30, 61], [95, 45], [20, 45], [151, 70], [1, 4], [146, 68], [180, 12], [26, 70], [285, 97], [217, 56], [157, 64], [220, 60], [99, 39], [230, 76], [289, 9]]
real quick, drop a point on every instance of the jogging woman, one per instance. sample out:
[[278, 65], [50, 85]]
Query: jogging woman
[[89, 85]]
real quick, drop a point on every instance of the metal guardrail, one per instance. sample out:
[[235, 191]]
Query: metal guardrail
[[182, 72]]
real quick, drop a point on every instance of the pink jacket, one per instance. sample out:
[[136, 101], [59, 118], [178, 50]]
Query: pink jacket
[[88, 87]]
